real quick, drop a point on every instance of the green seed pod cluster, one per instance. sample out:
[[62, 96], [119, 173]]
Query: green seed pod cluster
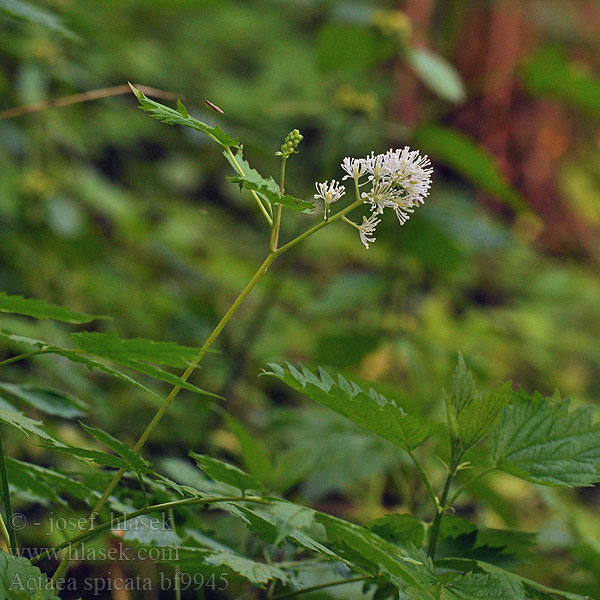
[[292, 139]]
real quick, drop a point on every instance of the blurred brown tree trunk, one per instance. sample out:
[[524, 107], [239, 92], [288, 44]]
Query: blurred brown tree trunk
[[529, 137]]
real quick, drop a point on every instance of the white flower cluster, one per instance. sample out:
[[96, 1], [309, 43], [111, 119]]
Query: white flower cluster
[[399, 179], [329, 193]]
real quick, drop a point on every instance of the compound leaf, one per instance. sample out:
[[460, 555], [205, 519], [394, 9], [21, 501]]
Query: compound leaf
[[19, 421], [181, 117], [399, 529], [39, 309], [226, 473], [20, 580], [266, 187], [133, 458], [137, 353], [399, 565], [482, 586], [111, 346], [541, 441], [48, 400], [470, 414], [367, 409]]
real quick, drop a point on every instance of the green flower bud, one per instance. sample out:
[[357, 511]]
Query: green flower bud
[[292, 139]]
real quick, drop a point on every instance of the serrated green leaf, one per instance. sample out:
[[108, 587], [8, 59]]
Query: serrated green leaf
[[267, 188], [166, 376], [73, 356], [542, 592], [181, 490], [39, 309], [399, 529], [471, 160], [181, 117], [482, 586], [470, 414], [19, 421], [463, 386], [133, 458], [111, 346], [279, 520], [92, 364], [397, 564], [48, 400], [103, 459], [133, 354], [437, 74], [461, 538], [46, 483], [478, 417], [14, 338], [23, 479], [541, 441], [259, 574], [226, 473], [512, 580], [265, 528], [150, 530], [367, 409], [20, 580]]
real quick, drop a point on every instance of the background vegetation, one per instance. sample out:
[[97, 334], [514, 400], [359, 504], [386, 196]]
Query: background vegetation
[[109, 212]]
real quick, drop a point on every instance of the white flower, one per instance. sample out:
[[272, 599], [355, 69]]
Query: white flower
[[401, 209], [406, 170], [398, 179], [355, 167], [380, 196], [329, 193], [376, 165], [366, 230], [410, 171]]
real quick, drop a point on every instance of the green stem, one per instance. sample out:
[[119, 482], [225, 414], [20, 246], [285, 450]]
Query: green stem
[[213, 336], [8, 361], [322, 586], [471, 481], [346, 220], [120, 520], [432, 494], [4, 532], [254, 194], [277, 226], [356, 189], [175, 391], [320, 225], [435, 529], [9, 529]]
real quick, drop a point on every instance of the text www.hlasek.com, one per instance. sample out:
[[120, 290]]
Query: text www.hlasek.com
[[113, 553]]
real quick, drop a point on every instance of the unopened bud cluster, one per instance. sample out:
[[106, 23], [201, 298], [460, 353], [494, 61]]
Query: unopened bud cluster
[[292, 139]]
